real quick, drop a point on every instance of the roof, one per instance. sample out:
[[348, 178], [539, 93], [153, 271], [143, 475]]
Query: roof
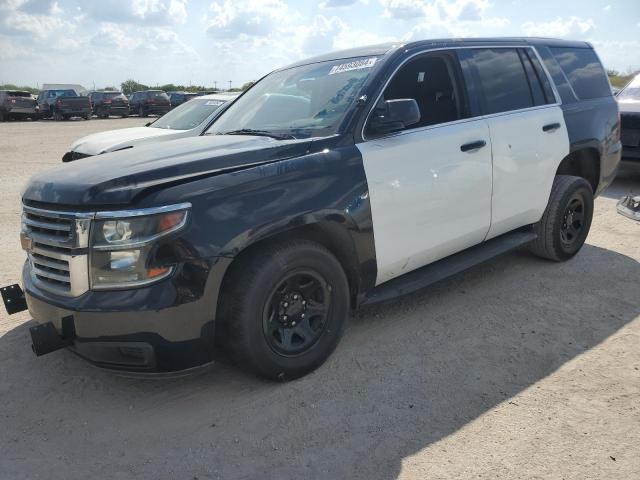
[[391, 47]]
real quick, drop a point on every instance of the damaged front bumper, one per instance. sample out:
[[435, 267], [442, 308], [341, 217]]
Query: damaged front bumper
[[629, 207]]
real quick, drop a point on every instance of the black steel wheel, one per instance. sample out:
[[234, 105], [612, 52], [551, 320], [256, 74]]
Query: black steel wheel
[[295, 316], [573, 221], [565, 223], [283, 308]]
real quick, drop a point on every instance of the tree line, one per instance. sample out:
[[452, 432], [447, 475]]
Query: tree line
[[129, 86]]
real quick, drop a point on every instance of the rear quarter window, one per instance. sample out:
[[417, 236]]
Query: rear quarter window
[[584, 72]]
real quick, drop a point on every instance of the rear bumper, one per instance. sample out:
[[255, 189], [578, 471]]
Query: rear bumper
[[22, 111], [148, 329], [159, 109], [74, 111], [111, 110]]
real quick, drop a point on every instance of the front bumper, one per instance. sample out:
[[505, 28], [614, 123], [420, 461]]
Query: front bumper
[[158, 328], [629, 207]]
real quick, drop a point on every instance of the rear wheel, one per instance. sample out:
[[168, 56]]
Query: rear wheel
[[566, 221], [283, 309]]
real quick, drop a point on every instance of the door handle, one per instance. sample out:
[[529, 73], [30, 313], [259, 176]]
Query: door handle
[[469, 147], [551, 127]]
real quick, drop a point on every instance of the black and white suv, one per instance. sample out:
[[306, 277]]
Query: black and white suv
[[338, 181]]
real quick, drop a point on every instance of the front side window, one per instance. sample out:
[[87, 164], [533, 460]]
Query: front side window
[[434, 82], [188, 115], [300, 102], [502, 78]]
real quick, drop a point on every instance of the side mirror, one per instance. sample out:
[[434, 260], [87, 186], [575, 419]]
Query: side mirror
[[394, 115]]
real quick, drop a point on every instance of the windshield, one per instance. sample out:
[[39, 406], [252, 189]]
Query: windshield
[[306, 101], [188, 115], [631, 91]]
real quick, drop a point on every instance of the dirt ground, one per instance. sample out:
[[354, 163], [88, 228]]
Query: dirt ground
[[518, 368]]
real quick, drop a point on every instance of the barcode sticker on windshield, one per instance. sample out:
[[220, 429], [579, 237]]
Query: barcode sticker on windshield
[[215, 103], [355, 65]]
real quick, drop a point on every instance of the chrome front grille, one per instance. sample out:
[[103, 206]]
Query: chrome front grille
[[56, 245]]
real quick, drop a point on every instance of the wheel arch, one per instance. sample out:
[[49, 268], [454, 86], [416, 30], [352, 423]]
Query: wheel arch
[[583, 162], [334, 232]]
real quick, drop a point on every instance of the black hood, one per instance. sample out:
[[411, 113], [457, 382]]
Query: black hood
[[116, 178]]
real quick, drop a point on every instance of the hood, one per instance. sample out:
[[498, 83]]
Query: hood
[[116, 178], [114, 139], [629, 105]]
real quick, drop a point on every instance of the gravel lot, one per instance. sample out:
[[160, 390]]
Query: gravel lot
[[518, 368]]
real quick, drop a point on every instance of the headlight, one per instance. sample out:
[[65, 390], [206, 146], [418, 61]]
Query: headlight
[[121, 243]]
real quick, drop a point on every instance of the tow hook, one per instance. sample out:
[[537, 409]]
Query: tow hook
[[45, 338], [13, 298]]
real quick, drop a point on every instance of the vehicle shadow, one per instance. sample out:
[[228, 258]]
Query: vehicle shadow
[[627, 181], [407, 374]]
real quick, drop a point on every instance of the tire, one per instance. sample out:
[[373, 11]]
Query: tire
[[141, 112], [258, 327], [565, 223]]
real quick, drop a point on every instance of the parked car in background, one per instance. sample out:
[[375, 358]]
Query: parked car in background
[[629, 104], [62, 104], [339, 181], [149, 102], [188, 120], [109, 103], [17, 104], [178, 98]]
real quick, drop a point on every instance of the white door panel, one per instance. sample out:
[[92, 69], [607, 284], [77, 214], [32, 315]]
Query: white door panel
[[428, 198], [525, 159]]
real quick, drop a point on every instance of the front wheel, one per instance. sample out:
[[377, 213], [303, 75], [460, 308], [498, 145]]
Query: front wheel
[[283, 309], [566, 221]]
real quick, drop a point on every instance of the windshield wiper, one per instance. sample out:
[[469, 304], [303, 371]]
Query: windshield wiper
[[259, 133]]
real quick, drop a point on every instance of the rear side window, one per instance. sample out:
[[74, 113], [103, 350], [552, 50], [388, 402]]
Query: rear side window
[[584, 72], [502, 78]]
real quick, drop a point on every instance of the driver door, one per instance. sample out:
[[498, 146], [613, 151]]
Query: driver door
[[429, 183]]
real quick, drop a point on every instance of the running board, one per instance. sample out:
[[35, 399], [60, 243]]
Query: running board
[[436, 271]]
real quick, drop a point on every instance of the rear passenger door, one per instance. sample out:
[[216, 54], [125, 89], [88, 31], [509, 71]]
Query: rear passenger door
[[528, 133], [429, 183]]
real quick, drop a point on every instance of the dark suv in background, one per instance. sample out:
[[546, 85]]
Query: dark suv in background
[[17, 104], [62, 104], [149, 102], [109, 103], [178, 98]]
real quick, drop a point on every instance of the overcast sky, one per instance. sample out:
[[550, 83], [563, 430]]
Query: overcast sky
[[104, 42]]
